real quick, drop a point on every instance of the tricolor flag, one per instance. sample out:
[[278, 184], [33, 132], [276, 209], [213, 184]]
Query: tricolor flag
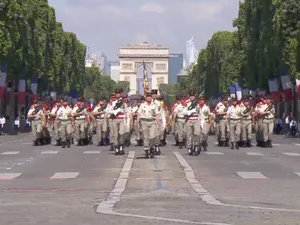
[[22, 92], [298, 87], [273, 87], [3, 77], [238, 91], [287, 88], [72, 96], [33, 87]]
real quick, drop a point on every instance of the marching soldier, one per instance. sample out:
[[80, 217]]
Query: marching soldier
[[37, 119], [134, 125], [258, 122], [179, 121], [204, 114], [247, 120], [101, 122], [110, 123], [64, 118], [192, 125], [127, 135], [46, 129], [175, 129], [234, 115], [267, 110], [148, 120], [163, 122], [221, 123], [79, 114], [55, 124], [117, 110], [156, 102], [90, 123]]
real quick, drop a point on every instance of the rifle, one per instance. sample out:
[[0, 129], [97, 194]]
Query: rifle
[[221, 117], [268, 109], [192, 106], [80, 109], [117, 106]]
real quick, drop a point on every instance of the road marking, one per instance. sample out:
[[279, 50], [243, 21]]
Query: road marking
[[254, 153], [69, 175], [91, 152], [10, 153], [251, 175], [49, 152], [9, 176], [291, 154], [297, 173], [214, 153], [276, 144], [107, 206]]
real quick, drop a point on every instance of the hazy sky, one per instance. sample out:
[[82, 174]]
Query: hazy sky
[[105, 25]]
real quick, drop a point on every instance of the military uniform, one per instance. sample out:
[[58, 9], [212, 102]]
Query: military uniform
[[101, 121], [54, 124], [258, 122], [267, 110], [110, 123], [36, 117], [247, 120], [179, 122], [134, 124], [147, 118], [222, 123], [63, 117], [79, 113], [204, 116], [234, 115]]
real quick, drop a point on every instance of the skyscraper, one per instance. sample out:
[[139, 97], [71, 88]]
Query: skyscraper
[[175, 66]]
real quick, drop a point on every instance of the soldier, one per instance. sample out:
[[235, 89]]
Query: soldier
[[90, 123], [247, 120], [192, 110], [101, 122], [110, 123], [79, 113], [223, 131], [258, 122], [37, 119], [204, 114], [147, 119], [156, 102], [54, 123], [64, 118], [127, 135], [175, 128], [163, 122], [46, 131], [267, 111], [134, 125], [179, 121], [234, 115], [117, 110]]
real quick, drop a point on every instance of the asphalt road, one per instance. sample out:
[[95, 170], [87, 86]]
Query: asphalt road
[[89, 185]]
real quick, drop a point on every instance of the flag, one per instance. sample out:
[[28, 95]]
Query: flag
[[232, 91], [238, 91], [273, 87], [72, 98], [3, 77], [33, 87], [22, 92], [298, 87], [287, 88], [145, 78]]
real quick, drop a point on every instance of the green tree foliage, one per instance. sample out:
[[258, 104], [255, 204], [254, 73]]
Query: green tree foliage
[[265, 44], [32, 42]]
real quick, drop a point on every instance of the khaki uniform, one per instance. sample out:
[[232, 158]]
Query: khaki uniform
[[127, 129], [147, 114], [55, 125], [234, 114], [47, 129], [179, 113], [136, 128], [246, 123], [258, 124], [204, 116], [64, 119], [222, 124], [79, 124], [101, 122], [36, 123], [192, 125], [160, 122], [267, 121]]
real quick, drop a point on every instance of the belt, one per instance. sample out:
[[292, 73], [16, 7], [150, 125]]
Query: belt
[[80, 119], [235, 119], [147, 120]]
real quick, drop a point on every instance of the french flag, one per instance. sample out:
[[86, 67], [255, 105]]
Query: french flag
[[238, 91], [33, 87], [287, 88], [273, 86], [22, 92], [232, 91], [73, 96], [298, 87], [3, 79]]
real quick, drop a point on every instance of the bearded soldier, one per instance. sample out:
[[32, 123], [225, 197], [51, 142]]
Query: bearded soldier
[[179, 121], [192, 110], [101, 122], [134, 125], [46, 129], [79, 113], [54, 123], [204, 114], [223, 131], [148, 118], [64, 118], [159, 122], [37, 119], [247, 120], [90, 123], [234, 115], [117, 110]]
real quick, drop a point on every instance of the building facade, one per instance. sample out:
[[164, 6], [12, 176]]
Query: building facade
[[115, 71], [175, 66], [156, 58]]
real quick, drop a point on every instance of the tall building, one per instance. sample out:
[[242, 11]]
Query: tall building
[[115, 71], [97, 59], [175, 66]]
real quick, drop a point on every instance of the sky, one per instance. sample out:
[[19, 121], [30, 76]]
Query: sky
[[106, 25]]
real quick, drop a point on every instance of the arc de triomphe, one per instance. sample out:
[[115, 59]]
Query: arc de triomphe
[[156, 58]]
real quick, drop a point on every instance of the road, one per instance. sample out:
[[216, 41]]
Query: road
[[89, 185]]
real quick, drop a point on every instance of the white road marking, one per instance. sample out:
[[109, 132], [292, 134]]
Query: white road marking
[[291, 154], [251, 175], [107, 206], [296, 144], [275, 144], [208, 198], [214, 153], [254, 153], [91, 152], [297, 173], [10, 153], [49, 152], [69, 175], [9, 176]]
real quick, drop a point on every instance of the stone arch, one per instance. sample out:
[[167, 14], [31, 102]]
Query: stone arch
[[140, 78]]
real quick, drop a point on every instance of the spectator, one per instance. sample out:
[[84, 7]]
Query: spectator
[[278, 125], [293, 127]]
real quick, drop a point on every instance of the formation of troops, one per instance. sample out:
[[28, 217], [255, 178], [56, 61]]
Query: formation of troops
[[190, 119]]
